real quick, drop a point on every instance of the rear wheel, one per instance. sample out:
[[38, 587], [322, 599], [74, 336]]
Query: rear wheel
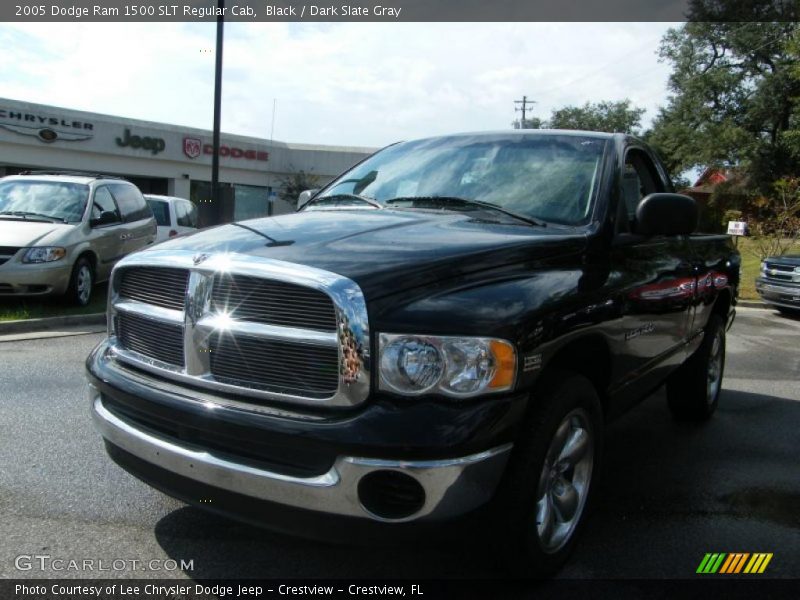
[[789, 312], [543, 499], [80, 284], [693, 390]]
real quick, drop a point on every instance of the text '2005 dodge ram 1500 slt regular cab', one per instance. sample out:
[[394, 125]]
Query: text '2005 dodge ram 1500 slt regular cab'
[[439, 335]]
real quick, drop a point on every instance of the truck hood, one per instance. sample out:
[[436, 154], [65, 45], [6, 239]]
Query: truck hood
[[386, 251], [20, 233]]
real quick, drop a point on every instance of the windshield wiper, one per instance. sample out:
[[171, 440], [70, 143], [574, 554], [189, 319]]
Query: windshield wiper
[[468, 202], [334, 197], [24, 214]]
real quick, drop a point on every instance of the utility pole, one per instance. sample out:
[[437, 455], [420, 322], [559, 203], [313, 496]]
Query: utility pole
[[524, 102], [215, 195]]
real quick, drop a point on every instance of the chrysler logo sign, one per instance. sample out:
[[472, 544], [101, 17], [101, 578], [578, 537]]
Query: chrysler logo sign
[[194, 147], [44, 127]]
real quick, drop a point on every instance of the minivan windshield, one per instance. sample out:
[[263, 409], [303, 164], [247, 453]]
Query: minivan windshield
[[547, 177], [33, 200]]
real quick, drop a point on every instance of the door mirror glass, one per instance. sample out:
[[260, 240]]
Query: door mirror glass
[[666, 214]]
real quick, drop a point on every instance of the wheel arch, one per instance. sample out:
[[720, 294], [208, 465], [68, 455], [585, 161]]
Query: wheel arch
[[589, 356]]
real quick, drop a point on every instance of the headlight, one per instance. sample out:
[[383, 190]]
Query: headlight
[[797, 270], [763, 266], [44, 254], [454, 366]]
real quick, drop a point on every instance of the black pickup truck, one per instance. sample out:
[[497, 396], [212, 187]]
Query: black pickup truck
[[439, 336]]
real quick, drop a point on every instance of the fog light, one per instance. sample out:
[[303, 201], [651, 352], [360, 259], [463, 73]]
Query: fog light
[[390, 495]]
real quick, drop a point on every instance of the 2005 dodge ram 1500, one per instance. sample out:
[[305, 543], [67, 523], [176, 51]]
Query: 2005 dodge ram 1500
[[437, 336]]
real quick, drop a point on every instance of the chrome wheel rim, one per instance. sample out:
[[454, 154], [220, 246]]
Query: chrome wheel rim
[[84, 284], [714, 367], [564, 481]]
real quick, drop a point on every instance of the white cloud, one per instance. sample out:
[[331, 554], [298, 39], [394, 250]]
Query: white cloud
[[350, 83]]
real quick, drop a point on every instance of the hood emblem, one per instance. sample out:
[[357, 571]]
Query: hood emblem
[[198, 258]]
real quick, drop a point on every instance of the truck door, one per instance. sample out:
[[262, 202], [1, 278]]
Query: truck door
[[657, 283]]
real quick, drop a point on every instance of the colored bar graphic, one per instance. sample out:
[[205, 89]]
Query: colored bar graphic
[[731, 561], [734, 562]]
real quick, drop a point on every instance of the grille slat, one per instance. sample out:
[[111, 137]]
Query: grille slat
[[160, 341], [162, 287], [273, 302], [274, 366]]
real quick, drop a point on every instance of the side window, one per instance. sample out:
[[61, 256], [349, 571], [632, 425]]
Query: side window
[[103, 202], [639, 178], [186, 214], [160, 211], [131, 202]]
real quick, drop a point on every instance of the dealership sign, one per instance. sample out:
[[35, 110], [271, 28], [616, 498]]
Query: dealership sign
[[45, 128], [153, 144], [194, 147]]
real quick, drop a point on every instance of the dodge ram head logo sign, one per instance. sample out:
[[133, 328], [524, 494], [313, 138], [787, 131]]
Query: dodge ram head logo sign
[[192, 147]]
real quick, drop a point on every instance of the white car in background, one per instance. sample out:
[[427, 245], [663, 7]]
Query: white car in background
[[174, 216]]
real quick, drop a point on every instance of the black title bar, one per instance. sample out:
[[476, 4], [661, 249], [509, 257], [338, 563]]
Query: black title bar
[[400, 10]]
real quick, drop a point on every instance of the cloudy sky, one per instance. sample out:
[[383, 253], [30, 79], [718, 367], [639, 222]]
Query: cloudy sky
[[361, 84]]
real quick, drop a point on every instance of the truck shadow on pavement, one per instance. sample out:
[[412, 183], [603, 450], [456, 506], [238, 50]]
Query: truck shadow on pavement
[[663, 487]]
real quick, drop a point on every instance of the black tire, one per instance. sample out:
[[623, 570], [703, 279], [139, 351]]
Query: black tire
[[693, 389], [788, 312], [79, 291], [534, 473]]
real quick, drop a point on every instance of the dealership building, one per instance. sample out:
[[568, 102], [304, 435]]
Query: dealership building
[[164, 159]]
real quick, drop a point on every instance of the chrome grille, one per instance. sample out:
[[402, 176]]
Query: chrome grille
[[778, 272], [160, 287], [276, 366], [273, 302], [150, 338], [251, 327]]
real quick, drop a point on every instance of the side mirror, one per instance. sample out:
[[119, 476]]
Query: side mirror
[[666, 214], [304, 197], [106, 218]]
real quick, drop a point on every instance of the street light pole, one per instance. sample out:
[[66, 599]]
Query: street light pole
[[215, 195]]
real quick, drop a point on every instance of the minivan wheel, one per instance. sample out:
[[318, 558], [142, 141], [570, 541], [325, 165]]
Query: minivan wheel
[[80, 284], [693, 389], [544, 497]]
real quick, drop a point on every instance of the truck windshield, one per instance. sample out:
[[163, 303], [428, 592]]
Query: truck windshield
[[548, 177], [43, 200]]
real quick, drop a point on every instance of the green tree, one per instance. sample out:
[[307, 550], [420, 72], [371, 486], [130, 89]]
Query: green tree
[[613, 117], [295, 182], [735, 92]]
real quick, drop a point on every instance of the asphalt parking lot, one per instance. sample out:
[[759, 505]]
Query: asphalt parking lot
[[669, 492]]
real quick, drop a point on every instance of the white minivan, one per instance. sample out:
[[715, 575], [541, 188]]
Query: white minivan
[[174, 216]]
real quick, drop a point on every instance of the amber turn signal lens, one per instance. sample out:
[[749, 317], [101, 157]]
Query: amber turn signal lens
[[506, 360]]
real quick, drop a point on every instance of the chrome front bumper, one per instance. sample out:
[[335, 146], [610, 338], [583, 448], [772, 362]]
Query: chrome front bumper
[[452, 487]]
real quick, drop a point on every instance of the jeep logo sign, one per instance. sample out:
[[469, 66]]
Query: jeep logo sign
[[153, 144]]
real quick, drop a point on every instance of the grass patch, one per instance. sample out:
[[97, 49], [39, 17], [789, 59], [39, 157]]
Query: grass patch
[[751, 265], [13, 309]]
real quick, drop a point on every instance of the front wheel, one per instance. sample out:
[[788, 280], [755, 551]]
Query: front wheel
[[543, 499], [79, 291], [693, 389]]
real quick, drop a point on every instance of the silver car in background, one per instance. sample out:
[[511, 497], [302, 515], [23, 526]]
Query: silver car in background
[[62, 233]]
